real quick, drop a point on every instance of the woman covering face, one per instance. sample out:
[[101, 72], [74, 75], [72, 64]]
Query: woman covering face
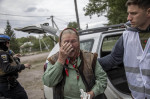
[[69, 44], [71, 69]]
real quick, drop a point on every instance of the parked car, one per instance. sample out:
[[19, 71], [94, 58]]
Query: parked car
[[101, 40]]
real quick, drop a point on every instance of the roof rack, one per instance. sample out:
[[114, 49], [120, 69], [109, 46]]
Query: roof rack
[[101, 29]]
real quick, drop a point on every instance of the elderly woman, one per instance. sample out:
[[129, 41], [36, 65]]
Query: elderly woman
[[72, 69]]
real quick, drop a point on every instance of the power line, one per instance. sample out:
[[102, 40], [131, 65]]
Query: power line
[[60, 19], [28, 16], [20, 20], [21, 15], [15, 15]]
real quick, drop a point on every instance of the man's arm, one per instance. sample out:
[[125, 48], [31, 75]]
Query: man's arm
[[115, 57], [6, 66]]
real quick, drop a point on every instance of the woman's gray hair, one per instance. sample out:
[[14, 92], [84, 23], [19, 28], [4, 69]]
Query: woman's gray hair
[[68, 31]]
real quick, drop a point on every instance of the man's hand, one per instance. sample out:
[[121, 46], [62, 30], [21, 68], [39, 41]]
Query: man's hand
[[27, 66], [17, 55], [64, 52]]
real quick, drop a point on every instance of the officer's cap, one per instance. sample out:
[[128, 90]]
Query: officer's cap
[[4, 38]]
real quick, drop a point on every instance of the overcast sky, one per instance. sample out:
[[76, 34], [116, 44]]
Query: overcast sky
[[21, 13]]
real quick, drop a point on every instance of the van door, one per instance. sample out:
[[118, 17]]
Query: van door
[[116, 76]]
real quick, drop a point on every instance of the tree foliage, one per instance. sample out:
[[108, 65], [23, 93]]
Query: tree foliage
[[13, 42], [73, 25], [35, 41], [116, 11], [48, 41]]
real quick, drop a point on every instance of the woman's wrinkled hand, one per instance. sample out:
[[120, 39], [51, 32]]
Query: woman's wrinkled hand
[[91, 94], [64, 52]]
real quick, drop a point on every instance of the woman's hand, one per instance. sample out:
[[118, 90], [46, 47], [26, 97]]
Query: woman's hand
[[64, 51], [91, 94]]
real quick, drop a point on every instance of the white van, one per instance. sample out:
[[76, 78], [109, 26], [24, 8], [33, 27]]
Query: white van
[[101, 40]]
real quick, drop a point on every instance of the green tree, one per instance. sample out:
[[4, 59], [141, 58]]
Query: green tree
[[13, 42], [73, 25], [115, 9], [36, 46], [22, 40], [49, 41]]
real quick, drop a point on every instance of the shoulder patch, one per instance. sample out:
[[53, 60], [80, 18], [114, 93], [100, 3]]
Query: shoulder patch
[[4, 58]]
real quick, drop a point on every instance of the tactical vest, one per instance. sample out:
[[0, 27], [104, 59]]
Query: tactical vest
[[137, 65], [86, 70], [12, 63]]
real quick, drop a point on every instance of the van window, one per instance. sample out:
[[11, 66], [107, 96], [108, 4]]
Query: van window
[[87, 45], [108, 44]]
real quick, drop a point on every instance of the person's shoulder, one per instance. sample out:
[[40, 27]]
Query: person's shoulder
[[86, 53], [11, 52], [53, 58], [129, 28]]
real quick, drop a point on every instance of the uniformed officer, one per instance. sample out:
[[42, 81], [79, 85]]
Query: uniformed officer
[[9, 68]]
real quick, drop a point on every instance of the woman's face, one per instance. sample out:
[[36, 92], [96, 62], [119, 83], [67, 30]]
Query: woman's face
[[73, 40]]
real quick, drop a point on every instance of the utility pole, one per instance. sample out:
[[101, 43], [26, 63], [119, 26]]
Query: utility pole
[[87, 26], [77, 17], [53, 23], [40, 43]]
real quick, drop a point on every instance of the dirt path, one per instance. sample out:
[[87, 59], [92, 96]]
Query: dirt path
[[30, 79]]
